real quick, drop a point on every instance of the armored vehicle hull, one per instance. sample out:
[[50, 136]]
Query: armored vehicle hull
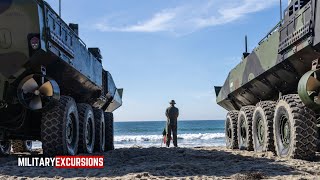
[[52, 87], [272, 95]]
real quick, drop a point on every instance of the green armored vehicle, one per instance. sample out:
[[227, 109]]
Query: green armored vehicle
[[273, 95], [52, 87]]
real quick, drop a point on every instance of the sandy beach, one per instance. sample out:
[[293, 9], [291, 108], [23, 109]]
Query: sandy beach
[[175, 163]]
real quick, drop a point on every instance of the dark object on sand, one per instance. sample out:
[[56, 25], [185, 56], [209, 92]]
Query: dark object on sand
[[51, 83], [275, 90], [249, 176], [164, 132], [19, 146]]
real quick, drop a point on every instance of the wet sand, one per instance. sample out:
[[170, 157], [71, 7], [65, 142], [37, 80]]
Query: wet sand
[[175, 163]]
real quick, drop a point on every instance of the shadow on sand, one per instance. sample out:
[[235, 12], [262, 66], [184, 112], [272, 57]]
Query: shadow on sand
[[161, 162]]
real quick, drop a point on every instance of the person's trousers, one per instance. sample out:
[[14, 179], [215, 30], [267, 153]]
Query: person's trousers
[[173, 129]]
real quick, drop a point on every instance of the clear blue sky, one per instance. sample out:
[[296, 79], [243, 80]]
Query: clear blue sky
[[170, 49]]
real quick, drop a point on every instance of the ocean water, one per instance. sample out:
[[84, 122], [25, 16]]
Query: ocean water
[[149, 133]]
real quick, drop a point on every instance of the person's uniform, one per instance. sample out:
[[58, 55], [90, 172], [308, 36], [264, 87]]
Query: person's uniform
[[172, 114]]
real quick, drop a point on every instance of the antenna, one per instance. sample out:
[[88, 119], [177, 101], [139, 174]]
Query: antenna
[[245, 54], [246, 43], [60, 8], [280, 10]]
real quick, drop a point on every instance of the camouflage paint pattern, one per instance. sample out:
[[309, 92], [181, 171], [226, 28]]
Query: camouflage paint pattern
[[18, 18], [76, 68], [268, 70], [260, 60]]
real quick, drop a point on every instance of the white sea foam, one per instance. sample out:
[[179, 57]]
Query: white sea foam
[[157, 138], [184, 140]]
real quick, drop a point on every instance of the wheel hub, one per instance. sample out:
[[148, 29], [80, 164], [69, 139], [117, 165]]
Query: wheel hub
[[285, 131], [69, 130], [243, 130], [229, 132], [88, 133], [260, 131], [103, 134], [243, 133]]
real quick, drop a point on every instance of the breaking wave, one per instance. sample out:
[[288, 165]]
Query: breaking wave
[[156, 138]]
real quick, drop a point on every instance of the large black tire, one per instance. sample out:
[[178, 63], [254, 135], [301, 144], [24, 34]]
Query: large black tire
[[100, 130], [231, 130], [21, 146], [295, 130], [262, 126], [245, 128], [86, 129], [5, 148], [318, 142], [60, 128], [108, 117]]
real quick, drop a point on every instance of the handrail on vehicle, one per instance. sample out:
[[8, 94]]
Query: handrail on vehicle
[[271, 32], [61, 20]]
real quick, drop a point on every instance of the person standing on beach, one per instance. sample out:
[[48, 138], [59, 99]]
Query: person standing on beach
[[172, 114]]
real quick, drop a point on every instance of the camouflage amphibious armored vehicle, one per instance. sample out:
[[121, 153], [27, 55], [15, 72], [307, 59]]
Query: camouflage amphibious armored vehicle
[[52, 88], [273, 95]]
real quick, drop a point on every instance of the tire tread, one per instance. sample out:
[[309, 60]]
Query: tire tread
[[268, 108], [248, 112], [234, 122], [52, 127], [98, 117], [108, 116], [305, 138], [82, 109]]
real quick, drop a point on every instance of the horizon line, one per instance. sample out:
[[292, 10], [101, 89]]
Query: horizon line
[[165, 120]]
